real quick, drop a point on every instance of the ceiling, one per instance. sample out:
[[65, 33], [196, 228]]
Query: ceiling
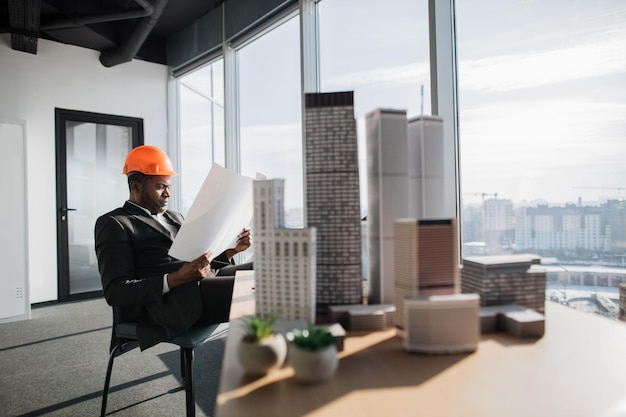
[[121, 29]]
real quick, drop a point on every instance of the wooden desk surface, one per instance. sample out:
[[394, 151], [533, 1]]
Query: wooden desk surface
[[577, 369], [243, 295]]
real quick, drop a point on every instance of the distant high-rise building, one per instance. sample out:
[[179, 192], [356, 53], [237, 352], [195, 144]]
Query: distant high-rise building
[[472, 231], [284, 259], [332, 196], [499, 223], [614, 223], [570, 227], [425, 260]]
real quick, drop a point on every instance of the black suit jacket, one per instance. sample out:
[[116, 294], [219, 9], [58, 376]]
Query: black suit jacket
[[132, 250]]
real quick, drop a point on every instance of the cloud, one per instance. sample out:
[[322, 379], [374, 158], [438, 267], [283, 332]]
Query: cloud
[[604, 55], [401, 74], [552, 144]]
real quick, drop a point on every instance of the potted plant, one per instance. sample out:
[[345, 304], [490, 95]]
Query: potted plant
[[262, 348], [313, 354]]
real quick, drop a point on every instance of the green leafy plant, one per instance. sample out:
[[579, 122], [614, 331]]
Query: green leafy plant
[[312, 338], [259, 326]]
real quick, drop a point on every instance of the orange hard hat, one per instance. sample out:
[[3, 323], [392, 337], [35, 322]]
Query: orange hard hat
[[148, 160]]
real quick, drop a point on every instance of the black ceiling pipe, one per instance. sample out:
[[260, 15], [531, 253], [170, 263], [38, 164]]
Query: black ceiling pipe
[[146, 9], [127, 51], [70, 22]]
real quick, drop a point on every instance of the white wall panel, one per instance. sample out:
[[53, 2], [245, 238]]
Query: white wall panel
[[14, 304], [72, 78]]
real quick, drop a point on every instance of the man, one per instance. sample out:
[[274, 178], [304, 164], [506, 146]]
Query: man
[[162, 294]]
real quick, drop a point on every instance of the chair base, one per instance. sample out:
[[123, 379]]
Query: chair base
[[195, 336]]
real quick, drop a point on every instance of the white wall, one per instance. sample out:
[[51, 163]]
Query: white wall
[[69, 77]]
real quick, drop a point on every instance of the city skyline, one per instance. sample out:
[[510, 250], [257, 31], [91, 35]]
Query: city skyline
[[537, 101], [540, 114]]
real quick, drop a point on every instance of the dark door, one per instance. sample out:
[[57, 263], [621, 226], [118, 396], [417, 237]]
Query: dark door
[[90, 153]]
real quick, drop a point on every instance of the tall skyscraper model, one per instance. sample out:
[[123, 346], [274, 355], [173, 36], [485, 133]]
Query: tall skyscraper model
[[284, 259], [388, 195], [332, 196], [406, 180], [431, 171]]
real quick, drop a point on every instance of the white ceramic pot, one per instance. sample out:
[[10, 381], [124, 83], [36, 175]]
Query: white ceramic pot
[[260, 357], [313, 366]]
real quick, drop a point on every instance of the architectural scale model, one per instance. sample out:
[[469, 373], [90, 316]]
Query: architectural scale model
[[332, 196], [425, 260], [442, 324], [284, 259], [506, 279], [413, 236], [432, 194], [406, 180], [388, 195]]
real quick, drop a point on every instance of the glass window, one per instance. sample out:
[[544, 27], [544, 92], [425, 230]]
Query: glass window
[[380, 53], [270, 112], [201, 127], [542, 132]]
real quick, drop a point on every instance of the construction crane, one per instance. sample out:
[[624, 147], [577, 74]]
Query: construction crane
[[482, 195]]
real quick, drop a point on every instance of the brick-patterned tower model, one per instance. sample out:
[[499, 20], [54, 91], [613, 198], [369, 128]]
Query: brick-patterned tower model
[[505, 279], [425, 260], [284, 259], [388, 195], [332, 196]]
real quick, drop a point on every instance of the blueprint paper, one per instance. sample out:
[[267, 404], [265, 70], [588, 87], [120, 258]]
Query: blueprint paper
[[220, 211]]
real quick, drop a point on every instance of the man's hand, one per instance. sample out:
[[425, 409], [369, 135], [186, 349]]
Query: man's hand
[[195, 270], [244, 240]]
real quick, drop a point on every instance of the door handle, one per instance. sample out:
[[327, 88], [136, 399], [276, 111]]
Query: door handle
[[64, 210]]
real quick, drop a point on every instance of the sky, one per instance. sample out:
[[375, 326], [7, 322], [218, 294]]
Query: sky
[[543, 102], [541, 90]]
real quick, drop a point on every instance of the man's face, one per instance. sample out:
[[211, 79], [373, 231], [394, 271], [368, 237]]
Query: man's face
[[154, 193]]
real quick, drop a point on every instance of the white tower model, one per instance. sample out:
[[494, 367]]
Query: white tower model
[[284, 259], [388, 195], [408, 177], [431, 194]]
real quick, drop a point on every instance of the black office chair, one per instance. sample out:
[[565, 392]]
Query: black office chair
[[217, 293], [126, 334]]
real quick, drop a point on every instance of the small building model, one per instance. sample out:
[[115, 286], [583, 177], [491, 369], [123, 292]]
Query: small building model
[[284, 259]]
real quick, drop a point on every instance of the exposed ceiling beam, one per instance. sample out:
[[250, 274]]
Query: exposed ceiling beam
[[65, 22], [24, 24]]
